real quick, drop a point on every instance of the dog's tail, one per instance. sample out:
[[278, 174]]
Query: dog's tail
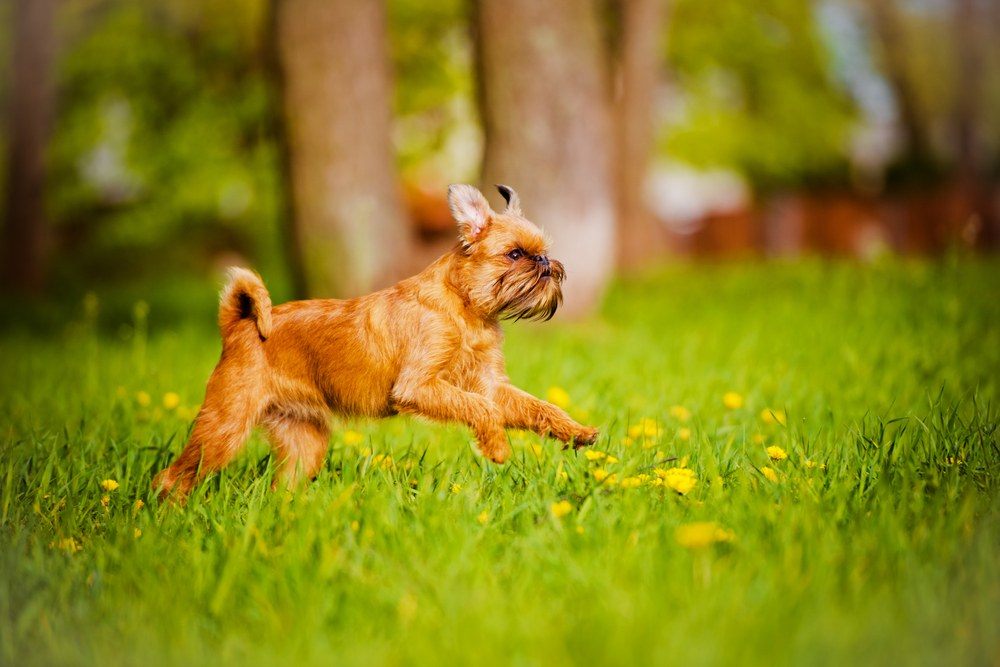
[[244, 298]]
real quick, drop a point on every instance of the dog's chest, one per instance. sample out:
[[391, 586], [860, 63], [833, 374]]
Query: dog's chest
[[473, 357]]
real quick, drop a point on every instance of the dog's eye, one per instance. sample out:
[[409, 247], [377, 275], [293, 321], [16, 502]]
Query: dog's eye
[[515, 254]]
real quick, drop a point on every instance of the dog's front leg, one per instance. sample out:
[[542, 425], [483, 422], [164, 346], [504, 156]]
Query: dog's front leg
[[439, 400], [522, 410]]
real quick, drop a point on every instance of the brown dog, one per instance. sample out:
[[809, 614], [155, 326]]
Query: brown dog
[[430, 346]]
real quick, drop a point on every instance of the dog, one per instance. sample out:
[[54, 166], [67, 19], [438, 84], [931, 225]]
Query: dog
[[431, 346]]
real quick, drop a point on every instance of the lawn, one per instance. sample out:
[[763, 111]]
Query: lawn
[[877, 540]]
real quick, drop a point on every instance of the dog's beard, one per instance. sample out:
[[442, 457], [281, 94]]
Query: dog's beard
[[524, 292]]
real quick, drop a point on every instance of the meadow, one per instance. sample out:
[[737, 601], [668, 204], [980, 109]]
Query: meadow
[[798, 465]]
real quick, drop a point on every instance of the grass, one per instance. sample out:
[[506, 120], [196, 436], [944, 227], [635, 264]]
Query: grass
[[878, 542]]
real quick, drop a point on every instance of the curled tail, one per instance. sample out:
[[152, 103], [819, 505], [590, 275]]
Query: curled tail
[[244, 297]]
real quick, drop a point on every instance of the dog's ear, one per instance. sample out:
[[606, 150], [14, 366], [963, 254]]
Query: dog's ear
[[513, 201], [470, 209]]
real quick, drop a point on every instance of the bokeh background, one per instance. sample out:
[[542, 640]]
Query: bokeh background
[[150, 143]]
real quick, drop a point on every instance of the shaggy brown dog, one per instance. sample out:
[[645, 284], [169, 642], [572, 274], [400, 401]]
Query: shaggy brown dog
[[429, 346]]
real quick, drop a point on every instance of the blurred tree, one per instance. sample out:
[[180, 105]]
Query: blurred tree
[[888, 26], [29, 123], [544, 101], [637, 49], [337, 100], [754, 90]]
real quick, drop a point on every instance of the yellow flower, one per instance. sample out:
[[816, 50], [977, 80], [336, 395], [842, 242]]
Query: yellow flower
[[563, 475], [109, 485], [353, 438], [611, 459], [138, 505], [602, 475], [776, 453], [769, 473], [537, 450], [594, 454], [105, 501], [732, 400], [631, 483], [355, 525], [143, 398], [646, 427], [137, 533], [67, 544], [680, 413], [702, 534], [382, 459], [171, 400], [627, 441], [456, 488], [561, 509], [769, 416], [579, 530], [558, 396], [684, 434], [681, 480], [483, 517]]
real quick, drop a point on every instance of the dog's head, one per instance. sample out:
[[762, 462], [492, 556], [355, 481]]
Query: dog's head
[[504, 259]]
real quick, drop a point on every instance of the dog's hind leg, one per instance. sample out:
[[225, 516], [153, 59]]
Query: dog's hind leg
[[300, 443], [232, 407]]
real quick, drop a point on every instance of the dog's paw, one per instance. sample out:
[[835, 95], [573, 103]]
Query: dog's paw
[[586, 437]]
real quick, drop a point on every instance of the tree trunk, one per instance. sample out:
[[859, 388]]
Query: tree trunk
[[637, 77], [973, 183], [546, 116], [337, 98], [888, 27], [32, 110]]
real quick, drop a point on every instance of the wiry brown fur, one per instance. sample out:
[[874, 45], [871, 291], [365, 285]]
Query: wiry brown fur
[[429, 346]]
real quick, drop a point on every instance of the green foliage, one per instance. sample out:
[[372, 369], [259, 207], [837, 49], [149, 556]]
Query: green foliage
[[887, 375], [756, 91], [162, 154], [432, 64]]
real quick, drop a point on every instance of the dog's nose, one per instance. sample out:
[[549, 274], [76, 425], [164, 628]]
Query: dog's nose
[[543, 261]]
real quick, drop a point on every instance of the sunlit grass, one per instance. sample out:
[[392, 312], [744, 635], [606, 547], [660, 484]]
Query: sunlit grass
[[798, 464]]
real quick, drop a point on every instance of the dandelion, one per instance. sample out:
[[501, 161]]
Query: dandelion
[[561, 509], [603, 476], [646, 427], [611, 459], [143, 398], [138, 505], [732, 400], [558, 396], [627, 441], [483, 517], [769, 416], [702, 534], [563, 475], [67, 544], [537, 450], [352, 438], [680, 479], [105, 500], [171, 400], [456, 488], [631, 483], [680, 413], [594, 454], [684, 434], [776, 453], [383, 460], [769, 473], [109, 485]]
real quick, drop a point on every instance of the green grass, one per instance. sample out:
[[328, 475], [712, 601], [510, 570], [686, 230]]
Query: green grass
[[888, 374]]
